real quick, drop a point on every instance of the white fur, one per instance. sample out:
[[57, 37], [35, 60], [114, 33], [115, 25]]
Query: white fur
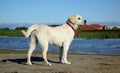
[[61, 36]]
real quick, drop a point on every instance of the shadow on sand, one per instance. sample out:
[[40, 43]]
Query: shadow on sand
[[24, 60]]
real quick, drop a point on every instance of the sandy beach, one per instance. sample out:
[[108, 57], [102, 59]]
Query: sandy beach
[[14, 61]]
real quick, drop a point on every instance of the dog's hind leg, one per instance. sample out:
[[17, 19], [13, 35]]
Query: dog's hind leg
[[44, 46], [32, 46]]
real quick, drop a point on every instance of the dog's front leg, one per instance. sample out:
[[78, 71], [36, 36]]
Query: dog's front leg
[[64, 54]]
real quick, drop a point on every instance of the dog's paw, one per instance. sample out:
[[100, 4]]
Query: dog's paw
[[65, 62], [62, 62], [49, 64], [68, 63], [29, 63]]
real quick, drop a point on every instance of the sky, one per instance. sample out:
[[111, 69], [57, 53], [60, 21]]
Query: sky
[[58, 11]]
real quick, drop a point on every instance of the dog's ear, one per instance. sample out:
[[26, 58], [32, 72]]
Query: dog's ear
[[72, 19]]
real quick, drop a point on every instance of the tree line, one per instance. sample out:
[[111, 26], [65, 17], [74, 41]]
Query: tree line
[[17, 28]]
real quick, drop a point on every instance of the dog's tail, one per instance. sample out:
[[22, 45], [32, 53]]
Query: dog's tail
[[29, 31]]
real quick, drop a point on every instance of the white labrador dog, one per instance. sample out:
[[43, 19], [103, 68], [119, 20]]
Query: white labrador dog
[[61, 36]]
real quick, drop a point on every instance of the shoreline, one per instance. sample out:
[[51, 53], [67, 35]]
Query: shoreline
[[17, 51], [14, 61]]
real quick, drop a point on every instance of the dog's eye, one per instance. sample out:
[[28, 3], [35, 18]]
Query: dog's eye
[[79, 18]]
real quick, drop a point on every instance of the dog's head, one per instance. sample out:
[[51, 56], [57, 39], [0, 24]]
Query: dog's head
[[76, 20]]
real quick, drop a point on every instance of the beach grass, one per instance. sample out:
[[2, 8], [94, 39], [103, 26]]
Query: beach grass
[[99, 34]]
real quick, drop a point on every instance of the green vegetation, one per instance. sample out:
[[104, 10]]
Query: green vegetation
[[99, 34], [89, 34], [12, 33]]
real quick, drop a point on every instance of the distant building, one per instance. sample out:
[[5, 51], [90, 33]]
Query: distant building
[[92, 27], [112, 27]]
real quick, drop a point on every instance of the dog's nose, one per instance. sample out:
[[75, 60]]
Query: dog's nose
[[85, 21]]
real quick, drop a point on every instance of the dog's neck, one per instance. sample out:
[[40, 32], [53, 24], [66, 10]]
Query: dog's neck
[[75, 30]]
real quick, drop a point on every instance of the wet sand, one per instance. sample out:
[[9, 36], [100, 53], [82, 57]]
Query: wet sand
[[12, 61]]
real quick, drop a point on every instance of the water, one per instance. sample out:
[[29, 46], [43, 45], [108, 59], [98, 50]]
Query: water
[[106, 46]]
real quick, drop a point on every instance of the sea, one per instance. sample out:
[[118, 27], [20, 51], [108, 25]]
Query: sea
[[78, 45]]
